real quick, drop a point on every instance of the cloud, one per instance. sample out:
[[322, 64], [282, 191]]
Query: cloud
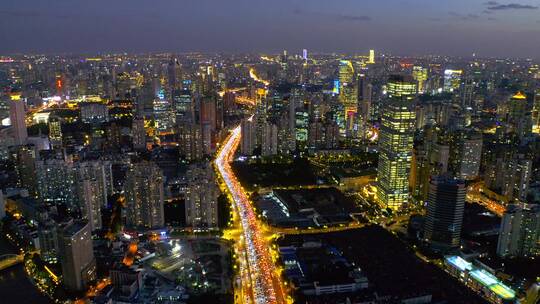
[[491, 3], [354, 18], [30, 14], [339, 17], [467, 17], [511, 6]]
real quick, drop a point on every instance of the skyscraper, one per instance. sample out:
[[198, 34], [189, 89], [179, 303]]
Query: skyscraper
[[420, 74], [519, 234], [55, 131], [56, 182], [348, 95], [248, 141], [452, 80], [201, 198], [518, 118], [371, 59], [24, 158], [536, 112], [17, 117], [470, 145], [190, 140], [365, 94], [144, 195], [76, 255], [445, 205], [396, 142], [92, 190], [138, 133]]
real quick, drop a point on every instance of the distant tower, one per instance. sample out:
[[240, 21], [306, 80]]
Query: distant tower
[[445, 205], [17, 117], [536, 112], [396, 142], [304, 54], [371, 59], [519, 118], [348, 94]]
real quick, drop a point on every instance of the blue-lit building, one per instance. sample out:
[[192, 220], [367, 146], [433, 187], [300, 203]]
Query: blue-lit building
[[480, 280]]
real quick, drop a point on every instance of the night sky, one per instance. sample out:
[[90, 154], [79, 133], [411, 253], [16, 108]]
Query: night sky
[[410, 27]]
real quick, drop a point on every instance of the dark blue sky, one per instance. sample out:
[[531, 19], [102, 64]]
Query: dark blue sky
[[406, 27]]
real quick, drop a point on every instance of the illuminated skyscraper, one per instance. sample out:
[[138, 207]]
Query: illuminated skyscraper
[[55, 131], [396, 142], [348, 95], [536, 113], [452, 80], [445, 205], [163, 113], [518, 118], [144, 195], [420, 74], [371, 59], [17, 117]]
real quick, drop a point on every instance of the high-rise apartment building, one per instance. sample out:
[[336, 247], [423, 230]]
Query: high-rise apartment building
[[76, 255], [91, 183], [519, 234], [248, 141], [56, 182], [144, 195], [201, 198], [25, 157], [138, 133]]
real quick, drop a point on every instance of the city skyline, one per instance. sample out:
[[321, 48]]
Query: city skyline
[[486, 28], [270, 152]]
